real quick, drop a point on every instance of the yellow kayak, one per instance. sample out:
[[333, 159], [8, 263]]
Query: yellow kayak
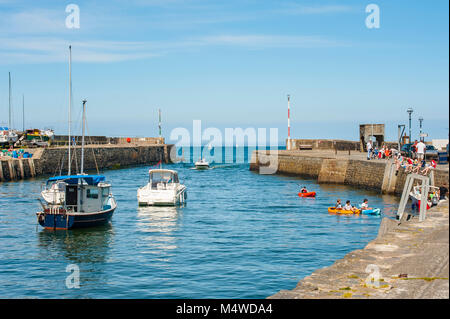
[[333, 210]]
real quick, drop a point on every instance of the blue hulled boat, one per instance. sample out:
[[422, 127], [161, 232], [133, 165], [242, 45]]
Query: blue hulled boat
[[76, 201]]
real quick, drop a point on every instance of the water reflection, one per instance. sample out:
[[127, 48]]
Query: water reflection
[[87, 248], [77, 246], [158, 225]]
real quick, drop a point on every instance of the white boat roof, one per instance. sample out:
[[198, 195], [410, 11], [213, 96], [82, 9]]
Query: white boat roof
[[161, 170]]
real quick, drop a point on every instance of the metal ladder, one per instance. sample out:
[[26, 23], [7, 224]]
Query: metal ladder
[[427, 181]]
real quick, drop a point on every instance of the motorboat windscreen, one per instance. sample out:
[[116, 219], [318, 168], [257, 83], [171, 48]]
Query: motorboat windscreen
[[165, 177]]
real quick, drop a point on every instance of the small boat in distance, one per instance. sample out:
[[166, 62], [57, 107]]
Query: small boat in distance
[[308, 194], [162, 189], [202, 164]]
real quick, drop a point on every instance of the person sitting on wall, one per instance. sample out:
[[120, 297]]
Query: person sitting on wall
[[387, 154], [409, 165], [398, 160], [394, 152], [428, 167], [418, 166], [365, 205], [375, 152]]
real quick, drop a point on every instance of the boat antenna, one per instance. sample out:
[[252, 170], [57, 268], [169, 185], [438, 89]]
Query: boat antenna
[[82, 137], [160, 135], [23, 112], [70, 105], [289, 123]]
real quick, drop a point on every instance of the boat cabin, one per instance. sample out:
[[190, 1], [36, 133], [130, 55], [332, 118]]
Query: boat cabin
[[162, 178], [83, 193]]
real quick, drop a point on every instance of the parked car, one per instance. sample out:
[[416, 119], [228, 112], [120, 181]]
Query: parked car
[[406, 150], [431, 152]]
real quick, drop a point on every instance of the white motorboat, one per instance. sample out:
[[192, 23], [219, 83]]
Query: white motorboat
[[163, 189], [4, 132], [202, 164], [12, 137]]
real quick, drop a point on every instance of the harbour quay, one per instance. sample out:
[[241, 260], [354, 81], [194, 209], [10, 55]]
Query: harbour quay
[[406, 261], [53, 160]]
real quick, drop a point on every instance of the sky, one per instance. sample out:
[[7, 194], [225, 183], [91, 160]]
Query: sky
[[228, 63]]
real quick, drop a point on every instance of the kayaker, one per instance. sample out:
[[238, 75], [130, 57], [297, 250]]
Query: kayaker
[[365, 205], [348, 206], [304, 190], [338, 204]]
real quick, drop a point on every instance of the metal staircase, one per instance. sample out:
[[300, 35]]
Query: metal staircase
[[411, 179]]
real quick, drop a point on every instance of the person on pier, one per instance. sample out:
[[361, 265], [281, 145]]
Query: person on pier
[[369, 149]]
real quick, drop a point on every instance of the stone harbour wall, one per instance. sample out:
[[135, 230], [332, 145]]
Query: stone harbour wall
[[53, 161], [379, 175]]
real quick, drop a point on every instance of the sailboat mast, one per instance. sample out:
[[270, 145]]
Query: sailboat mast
[[70, 107], [9, 121], [159, 124], [82, 137]]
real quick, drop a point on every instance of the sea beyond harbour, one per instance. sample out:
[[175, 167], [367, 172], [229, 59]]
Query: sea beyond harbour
[[240, 235]]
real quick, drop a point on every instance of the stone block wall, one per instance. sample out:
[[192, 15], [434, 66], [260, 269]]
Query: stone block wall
[[53, 161], [360, 173]]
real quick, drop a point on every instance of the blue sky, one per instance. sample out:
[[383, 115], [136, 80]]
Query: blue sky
[[228, 63]]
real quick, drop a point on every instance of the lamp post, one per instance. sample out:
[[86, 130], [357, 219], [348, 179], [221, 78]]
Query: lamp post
[[420, 125], [410, 111]]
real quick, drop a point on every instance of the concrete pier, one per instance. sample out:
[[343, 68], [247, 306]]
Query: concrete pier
[[53, 161], [406, 261], [343, 167]]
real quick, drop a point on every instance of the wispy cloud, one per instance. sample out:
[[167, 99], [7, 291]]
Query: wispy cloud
[[32, 21], [39, 35], [269, 41], [45, 50], [300, 9]]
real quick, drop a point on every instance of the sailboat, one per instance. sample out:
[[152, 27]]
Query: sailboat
[[75, 201], [7, 135]]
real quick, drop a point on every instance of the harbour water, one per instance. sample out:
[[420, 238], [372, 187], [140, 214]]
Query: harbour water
[[241, 235]]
